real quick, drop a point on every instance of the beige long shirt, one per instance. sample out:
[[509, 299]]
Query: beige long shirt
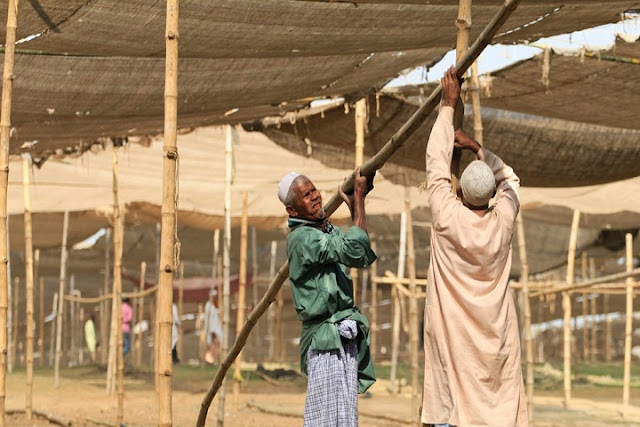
[[472, 348]]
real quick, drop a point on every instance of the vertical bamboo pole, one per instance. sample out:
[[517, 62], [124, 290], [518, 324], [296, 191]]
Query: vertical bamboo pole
[[373, 312], [594, 337], [5, 131], [180, 346], [16, 319], [360, 119], [105, 319], [254, 290], [628, 329], [81, 347], [528, 342], [585, 303], [139, 340], [395, 296], [475, 103], [214, 262], [271, 333], [413, 311], [242, 286], [9, 324], [63, 278], [226, 266], [53, 330], [72, 318], [607, 330], [28, 262], [566, 305], [41, 321], [169, 207]]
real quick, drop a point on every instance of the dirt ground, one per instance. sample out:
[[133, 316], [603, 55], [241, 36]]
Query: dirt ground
[[81, 400]]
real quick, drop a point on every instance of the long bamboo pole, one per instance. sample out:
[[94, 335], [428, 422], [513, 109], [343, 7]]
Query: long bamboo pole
[[413, 311], [41, 321], [463, 25], [63, 278], [528, 341], [607, 330], [53, 330], [168, 260], [628, 329], [373, 312], [105, 320], [226, 263], [566, 305], [28, 263], [72, 320], [254, 289], [242, 286], [5, 133], [475, 104], [594, 337], [179, 344], [395, 297], [589, 283], [16, 319], [360, 124], [139, 340], [585, 303], [373, 164]]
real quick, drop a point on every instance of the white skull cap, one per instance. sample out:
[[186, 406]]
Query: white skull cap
[[478, 183], [285, 184]]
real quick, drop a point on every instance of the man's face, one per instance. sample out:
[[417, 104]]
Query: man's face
[[307, 202]]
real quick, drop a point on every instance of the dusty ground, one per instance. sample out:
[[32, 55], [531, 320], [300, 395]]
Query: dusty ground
[[81, 399]]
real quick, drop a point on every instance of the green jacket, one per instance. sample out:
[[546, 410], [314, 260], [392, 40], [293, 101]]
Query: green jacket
[[323, 292]]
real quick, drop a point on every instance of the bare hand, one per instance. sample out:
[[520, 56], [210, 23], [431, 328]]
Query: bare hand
[[465, 142], [362, 185], [450, 88]]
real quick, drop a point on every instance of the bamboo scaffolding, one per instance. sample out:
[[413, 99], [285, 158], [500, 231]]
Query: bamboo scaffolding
[[413, 311], [242, 286], [226, 264], [566, 305], [628, 329], [41, 320], [109, 296], [373, 164], [373, 307], [139, 340], [528, 342], [385, 280], [16, 319], [105, 320], [180, 346], [5, 135], [406, 292], [168, 261], [63, 278], [395, 297], [28, 261], [589, 283]]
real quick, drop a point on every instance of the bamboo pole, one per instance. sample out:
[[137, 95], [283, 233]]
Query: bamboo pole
[[589, 283], [373, 312], [139, 340], [53, 329], [5, 134], [242, 286], [226, 263], [271, 316], [628, 329], [168, 260], [360, 124], [528, 342], [566, 305], [72, 320], [413, 311], [594, 337], [373, 164], [607, 330], [214, 262], [180, 346], [585, 303], [254, 289], [9, 324], [395, 297], [81, 323], [16, 319], [41, 320], [63, 278], [105, 320], [28, 262], [475, 104]]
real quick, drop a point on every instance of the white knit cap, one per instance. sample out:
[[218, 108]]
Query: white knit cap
[[285, 185], [478, 183]]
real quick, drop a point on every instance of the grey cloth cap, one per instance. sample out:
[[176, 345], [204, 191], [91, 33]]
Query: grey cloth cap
[[478, 183]]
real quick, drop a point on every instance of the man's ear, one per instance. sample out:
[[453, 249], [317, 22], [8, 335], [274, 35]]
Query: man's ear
[[292, 211]]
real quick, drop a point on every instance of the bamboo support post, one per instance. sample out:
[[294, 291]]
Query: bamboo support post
[[63, 278], [528, 341], [168, 262], [105, 319], [370, 166], [628, 329], [41, 321], [373, 311], [585, 304], [242, 286], [607, 330], [53, 330], [72, 319], [140, 339], [226, 264], [28, 261], [413, 312], [475, 104], [5, 135], [395, 297], [566, 305], [594, 337], [16, 319], [81, 347], [271, 316], [360, 124], [254, 288], [179, 344]]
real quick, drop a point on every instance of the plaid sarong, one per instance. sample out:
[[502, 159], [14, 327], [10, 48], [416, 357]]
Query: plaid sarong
[[332, 389]]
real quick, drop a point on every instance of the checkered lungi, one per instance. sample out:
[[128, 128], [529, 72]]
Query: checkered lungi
[[332, 389]]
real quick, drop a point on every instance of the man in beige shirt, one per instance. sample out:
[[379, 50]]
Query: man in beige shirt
[[472, 371]]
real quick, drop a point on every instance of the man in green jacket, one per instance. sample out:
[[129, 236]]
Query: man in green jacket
[[334, 342]]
